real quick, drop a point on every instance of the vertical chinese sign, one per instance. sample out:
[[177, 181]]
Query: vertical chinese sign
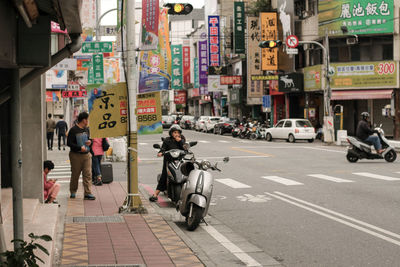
[[239, 27], [98, 68], [203, 64], [149, 29], [108, 109], [149, 113], [254, 88], [269, 31], [196, 73], [155, 65], [213, 41], [186, 64], [177, 77]]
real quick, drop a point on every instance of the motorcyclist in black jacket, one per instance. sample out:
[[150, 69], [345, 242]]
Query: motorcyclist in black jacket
[[365, 133], [175, 141]]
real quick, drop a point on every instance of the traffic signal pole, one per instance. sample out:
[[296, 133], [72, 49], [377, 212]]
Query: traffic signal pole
[[133, 203]]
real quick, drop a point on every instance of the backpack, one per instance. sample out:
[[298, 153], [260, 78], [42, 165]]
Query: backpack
[[105, 145]]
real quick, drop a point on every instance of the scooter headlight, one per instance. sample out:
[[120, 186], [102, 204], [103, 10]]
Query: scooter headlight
[[175, 154], [205, 165]]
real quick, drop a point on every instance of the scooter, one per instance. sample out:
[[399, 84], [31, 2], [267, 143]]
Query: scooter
[[236, 131], [363, 150], [190, 189]]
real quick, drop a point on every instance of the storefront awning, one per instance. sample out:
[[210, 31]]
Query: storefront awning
[[361, 94]]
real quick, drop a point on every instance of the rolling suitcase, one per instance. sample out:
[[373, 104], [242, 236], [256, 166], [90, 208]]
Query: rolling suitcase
[[106, 172]]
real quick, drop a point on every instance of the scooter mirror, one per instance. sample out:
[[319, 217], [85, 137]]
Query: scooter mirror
[[226, 159], [162, 139], [193, 143], [156, 146], [380, 125]]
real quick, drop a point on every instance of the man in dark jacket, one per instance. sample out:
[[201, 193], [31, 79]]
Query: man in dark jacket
[[175, 141], [365, 133], [61, 129]]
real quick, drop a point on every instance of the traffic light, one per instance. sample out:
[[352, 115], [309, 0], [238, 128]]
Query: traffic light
[[270, 44], [179, 9]]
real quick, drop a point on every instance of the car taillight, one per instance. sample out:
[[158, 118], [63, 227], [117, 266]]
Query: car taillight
[[296, 131], [314, 130], [226, 124], [163, 122], [348, 140]]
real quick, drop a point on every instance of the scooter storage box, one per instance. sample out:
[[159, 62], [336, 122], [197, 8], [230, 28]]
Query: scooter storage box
[[107, 172]]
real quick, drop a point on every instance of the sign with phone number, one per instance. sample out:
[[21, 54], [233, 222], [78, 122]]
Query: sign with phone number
[[149, 113]]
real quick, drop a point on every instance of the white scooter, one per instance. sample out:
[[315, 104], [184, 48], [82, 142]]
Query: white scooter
[[362, 150]]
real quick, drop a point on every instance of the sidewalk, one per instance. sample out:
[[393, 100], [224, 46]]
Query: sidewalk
[[95, 233]]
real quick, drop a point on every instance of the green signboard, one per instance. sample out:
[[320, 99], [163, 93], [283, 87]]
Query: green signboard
[[362, 75], [97, 47], [239, 27], [359, 16], [196, 73], [313, 78], [177, 77], [98, 68], [86, 64], [90, 76]]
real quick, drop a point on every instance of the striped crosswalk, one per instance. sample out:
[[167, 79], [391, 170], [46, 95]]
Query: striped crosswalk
[[232, 183], [330, 178], [376, 176]]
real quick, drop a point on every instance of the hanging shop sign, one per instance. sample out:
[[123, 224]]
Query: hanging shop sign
[[56, 79], [186, 64], [214, 84], [313, 78], [291, 83], [149, 113], [66, 64], [150, 20], [108, 109], [196, 82], [230, 80], [264, 77], [177, 74], [217, 70], [203, 63], [97, 47], [180, 97], [359, 17], [239, 18], [73, 94], [53, 96], [269, 31], [234, 96], [254, 87], [214, 41]]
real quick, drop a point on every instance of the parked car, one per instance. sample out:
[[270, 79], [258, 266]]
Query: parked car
[[186, 122], [292, 130], [210, 123], [167, 121], [200, 124], [224, 125]]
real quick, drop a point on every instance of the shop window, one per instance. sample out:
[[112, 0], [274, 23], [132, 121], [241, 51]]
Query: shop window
[[355, 53], [334, 54], [387, 52]]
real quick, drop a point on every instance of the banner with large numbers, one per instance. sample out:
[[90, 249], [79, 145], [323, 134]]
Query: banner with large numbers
[[214, 58], [108, 110], [359, 16], [149, 113], [177, 72], [239, 27], [269, 31], [155, 65], [254, 88], [149, 29]]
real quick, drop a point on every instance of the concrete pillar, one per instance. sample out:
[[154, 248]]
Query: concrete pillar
[[32, 140]]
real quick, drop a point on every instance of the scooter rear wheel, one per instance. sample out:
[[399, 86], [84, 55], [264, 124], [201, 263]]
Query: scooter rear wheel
[[351, 158], [391, 156], [194, 221]]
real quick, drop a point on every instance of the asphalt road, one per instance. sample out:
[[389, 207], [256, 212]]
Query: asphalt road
[[302, 204]]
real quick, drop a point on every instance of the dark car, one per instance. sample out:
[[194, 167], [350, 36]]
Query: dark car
[[225, 125]]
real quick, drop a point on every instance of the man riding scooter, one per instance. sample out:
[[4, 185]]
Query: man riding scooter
[[365, 133], [175, 141]]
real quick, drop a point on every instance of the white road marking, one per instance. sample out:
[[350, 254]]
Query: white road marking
[[232, 183], [286, 198], [204, 142], [235, 250], [245, 141], [143, 144], [376, 176], [281, 180], [254, 199], [324, 149], [224, 141], [330, 178]]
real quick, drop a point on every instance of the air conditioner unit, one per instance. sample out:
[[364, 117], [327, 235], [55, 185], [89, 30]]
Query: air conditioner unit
[[351, 40], [306, 14]]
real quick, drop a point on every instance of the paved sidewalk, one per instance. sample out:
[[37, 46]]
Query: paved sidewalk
[[96, 234]]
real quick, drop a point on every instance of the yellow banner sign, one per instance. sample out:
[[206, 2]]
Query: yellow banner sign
[[269, 32], [108, 110], [149, 113]]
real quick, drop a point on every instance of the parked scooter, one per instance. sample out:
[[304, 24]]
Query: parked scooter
[[236, 131], [190, 184], [260, 132], [362, 150]]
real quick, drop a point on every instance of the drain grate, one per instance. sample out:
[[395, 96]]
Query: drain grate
[[99, 219]]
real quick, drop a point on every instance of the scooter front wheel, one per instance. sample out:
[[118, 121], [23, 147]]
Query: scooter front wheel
[[194, 220], [351, 158], [391, 156]]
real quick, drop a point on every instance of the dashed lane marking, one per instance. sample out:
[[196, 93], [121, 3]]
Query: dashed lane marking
[[330, 178], [232, 183], [376, 176], [281, 180], [252, 152]]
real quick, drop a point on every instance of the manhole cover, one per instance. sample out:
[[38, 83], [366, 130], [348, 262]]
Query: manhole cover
[[99, 219]]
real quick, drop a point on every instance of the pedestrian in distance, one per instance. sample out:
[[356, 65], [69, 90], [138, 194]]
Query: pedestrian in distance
[[50, 126], [51, 188], [80, 157], [61, 130], [175, 141], [99, 146]]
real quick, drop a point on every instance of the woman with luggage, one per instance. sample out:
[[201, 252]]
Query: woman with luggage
[[99, 146]]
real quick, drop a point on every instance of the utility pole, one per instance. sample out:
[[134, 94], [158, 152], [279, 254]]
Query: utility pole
[[133, 202]]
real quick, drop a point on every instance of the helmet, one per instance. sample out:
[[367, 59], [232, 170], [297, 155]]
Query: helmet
[[365, 115], [175, 127]]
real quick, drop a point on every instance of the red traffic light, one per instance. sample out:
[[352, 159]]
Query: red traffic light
[[179, 8]]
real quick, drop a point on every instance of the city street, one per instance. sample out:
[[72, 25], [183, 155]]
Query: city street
[[302, 204]]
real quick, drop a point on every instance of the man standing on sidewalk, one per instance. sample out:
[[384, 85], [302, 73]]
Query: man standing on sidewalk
[[79, 156], [61, 129], [50, 126]]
